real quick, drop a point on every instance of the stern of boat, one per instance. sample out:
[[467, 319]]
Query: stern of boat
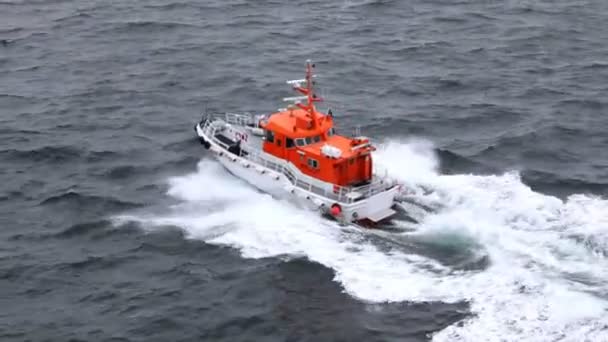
[[376, 208]]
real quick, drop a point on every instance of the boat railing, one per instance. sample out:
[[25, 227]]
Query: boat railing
[[344, 194], [338, 193], [291, 173], [243, 119]]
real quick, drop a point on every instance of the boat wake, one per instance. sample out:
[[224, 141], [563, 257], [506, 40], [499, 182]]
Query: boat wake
[[533, 267]]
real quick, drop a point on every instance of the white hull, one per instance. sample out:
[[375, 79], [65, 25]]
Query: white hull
[[375, 207]]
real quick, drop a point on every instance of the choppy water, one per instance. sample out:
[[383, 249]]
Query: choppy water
[[117, 226]]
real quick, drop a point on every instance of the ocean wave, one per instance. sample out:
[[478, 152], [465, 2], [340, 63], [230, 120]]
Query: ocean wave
[[77, 200], [146, 26], [92, 263], [80, 229], [56, 154], [548, 182], [452, 163]]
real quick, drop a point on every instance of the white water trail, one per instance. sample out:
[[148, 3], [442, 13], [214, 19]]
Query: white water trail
[[545, 283], [548, 273]]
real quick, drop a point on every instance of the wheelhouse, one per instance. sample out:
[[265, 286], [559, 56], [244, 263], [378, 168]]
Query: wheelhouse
[[310, 143], [306, 138]]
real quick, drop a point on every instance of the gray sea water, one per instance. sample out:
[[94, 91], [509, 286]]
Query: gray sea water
[[115, 224]]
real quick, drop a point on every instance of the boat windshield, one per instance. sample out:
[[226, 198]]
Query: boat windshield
[[307, 140]]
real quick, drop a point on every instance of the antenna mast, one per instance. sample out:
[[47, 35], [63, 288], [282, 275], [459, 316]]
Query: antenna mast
[[309, 93]]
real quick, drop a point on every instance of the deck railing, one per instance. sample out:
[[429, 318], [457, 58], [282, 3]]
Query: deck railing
[[239, 119]]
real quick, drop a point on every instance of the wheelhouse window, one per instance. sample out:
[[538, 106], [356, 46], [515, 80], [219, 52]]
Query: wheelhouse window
[[308, 140], [269, 136], [289, 143], [313, 163], [279, 142]]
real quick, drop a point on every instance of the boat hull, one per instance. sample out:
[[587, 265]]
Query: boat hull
[[375, 208], [266, 182]]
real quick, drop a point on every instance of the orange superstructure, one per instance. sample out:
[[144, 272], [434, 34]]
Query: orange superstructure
[[306, 138]]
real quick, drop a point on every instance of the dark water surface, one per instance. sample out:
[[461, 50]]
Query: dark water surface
[[112, 228]]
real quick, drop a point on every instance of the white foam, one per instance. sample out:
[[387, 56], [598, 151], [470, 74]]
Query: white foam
[[529, 292], [548, 274]]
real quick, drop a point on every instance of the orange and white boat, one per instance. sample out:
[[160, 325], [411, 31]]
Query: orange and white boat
[[297, 153]]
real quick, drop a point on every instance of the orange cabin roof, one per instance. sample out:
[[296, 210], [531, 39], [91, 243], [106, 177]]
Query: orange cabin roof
[[343, 143], [297, 123]]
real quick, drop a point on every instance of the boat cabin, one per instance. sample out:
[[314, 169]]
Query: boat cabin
[[305, 137], [316, 149]]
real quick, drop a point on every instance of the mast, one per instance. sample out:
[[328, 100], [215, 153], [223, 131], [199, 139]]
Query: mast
[[309, 93]]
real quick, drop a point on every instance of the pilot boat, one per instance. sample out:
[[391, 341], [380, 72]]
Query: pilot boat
[[296, 153]]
